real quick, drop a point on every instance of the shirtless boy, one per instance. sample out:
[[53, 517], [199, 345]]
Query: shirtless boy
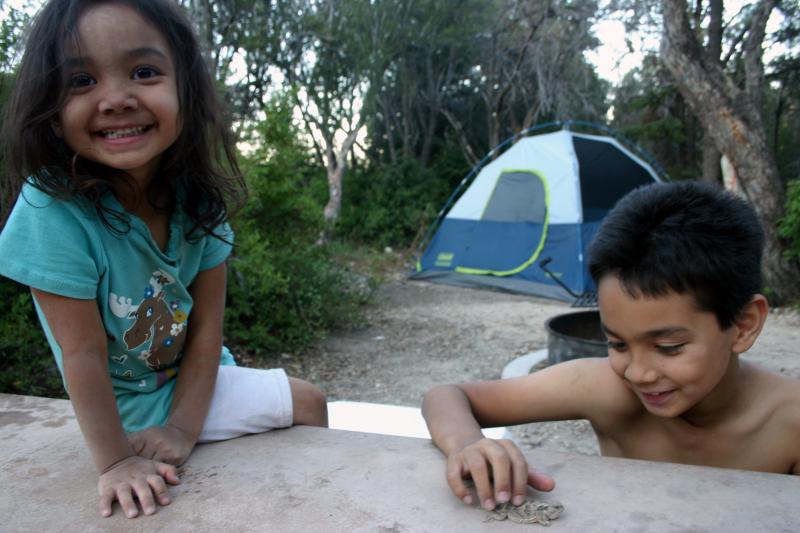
[[678, 273]]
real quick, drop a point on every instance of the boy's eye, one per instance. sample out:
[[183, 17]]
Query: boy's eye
[[144, 73], [670, 349], [81, 79], [616, 346]]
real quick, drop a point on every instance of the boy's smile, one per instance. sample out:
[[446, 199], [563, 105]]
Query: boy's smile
[[672, 355], [122, 106]]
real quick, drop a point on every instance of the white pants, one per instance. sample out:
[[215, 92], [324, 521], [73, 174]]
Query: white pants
[[247, 400]]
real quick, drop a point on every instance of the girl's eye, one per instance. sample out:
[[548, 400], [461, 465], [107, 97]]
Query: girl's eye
[[670, 349], [76, 81], [144, 73]]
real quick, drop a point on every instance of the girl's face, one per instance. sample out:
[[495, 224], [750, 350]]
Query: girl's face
[[122, 105]]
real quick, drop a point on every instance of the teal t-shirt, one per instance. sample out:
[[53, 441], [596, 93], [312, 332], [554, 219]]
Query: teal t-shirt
[[142, 292]]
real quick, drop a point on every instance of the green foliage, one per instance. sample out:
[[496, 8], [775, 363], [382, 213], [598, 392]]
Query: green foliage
[[789, 225], [392, 204], [11, 29], [284, 290], [26, 363], [283, 299]]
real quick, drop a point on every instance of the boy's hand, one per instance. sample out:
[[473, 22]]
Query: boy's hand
[[169, 444], [139, 477], [490, 461]]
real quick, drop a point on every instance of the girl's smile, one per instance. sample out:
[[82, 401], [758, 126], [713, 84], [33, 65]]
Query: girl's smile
[[122, 106]]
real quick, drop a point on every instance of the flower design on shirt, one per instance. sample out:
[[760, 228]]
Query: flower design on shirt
[[155, 329]]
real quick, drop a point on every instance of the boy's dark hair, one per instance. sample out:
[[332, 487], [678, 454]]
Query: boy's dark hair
[[687, 237], [201, 163]]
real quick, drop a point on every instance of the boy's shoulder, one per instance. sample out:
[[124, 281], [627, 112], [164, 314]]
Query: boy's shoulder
[[779, 394], [775, 410]]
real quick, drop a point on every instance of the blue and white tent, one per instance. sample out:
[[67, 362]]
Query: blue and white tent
[[544, 197]]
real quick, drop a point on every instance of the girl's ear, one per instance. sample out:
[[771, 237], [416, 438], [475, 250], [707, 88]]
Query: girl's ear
[[749, 323], [56, 126]]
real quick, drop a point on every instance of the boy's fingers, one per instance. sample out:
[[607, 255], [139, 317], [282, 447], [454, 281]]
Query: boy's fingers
[[540, 481], [159, 489], [519, 472], [479, 470], [455, 479], [501, 469]]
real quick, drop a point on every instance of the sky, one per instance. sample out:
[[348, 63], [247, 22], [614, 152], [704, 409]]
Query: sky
[[613, 59]]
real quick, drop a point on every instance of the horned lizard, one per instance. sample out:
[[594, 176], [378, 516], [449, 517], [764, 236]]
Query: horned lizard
[[534, 512]]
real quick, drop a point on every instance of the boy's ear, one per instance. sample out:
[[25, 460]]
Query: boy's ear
[[749, 323]]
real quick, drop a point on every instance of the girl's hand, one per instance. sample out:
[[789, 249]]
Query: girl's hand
[[139, 477], [499, 471], [169, 444]]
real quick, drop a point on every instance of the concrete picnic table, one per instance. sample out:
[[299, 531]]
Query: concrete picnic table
[[321, 480]]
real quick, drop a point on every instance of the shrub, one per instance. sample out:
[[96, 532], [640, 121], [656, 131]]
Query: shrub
[[392, 204], [283, 299], [789, 225], [284, 290], [26, 363]]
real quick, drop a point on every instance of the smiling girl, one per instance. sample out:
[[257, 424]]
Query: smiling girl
[[124, 178]]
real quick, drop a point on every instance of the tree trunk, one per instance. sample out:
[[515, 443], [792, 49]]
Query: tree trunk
[[337, 164], [731, 119], [711, 156]]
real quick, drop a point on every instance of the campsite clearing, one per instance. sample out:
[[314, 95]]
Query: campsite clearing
[[421, 334]]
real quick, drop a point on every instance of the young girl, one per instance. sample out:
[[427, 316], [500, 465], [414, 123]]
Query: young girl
[[125, 177]]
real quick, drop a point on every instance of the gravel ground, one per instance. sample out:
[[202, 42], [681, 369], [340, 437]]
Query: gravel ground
[[421, 334]]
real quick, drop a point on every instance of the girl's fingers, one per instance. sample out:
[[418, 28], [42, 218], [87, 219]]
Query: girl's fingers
[[145, 495], [168, 472], [127, 503], [106, 500], [159, 488]]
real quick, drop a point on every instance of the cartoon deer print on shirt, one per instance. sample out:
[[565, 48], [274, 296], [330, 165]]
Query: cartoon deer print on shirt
[[154, 320]]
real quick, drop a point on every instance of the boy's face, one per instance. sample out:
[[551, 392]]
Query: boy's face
[[671, 354]]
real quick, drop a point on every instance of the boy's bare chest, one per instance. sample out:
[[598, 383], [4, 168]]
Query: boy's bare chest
[[736, 446]]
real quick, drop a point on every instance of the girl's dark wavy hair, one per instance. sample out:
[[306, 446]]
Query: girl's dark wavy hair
[[201, 164]]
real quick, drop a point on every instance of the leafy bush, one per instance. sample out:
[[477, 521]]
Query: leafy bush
[[26, 363], [789, 225], [283, 299], [392, 204], [284, 290]]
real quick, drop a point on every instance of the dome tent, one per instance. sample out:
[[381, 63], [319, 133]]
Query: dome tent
[[540, 201]]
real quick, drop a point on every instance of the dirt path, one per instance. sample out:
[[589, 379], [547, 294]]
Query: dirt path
[[421, 334]]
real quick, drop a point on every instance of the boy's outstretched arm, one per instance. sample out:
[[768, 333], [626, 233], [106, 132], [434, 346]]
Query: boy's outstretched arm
[[77, 327], [197, 378], [497, 467]]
